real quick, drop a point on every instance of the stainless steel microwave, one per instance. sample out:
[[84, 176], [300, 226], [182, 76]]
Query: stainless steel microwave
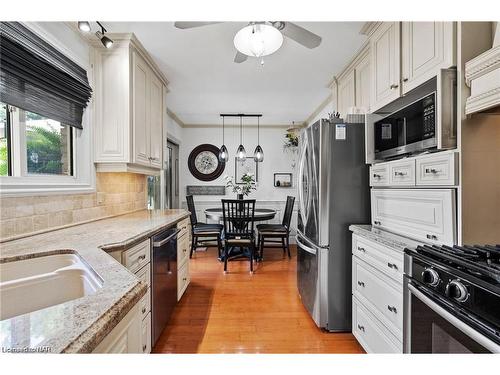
[[426, 122]]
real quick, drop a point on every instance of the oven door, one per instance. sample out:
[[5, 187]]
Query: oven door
[[430, 328]]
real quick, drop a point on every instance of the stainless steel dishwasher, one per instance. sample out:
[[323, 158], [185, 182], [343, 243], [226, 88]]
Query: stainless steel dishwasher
[[164, 279]]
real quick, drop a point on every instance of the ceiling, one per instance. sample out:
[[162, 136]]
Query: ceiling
[[204, 80]]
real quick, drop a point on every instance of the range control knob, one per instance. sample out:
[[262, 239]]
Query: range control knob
[[430, 277], [456, 290]]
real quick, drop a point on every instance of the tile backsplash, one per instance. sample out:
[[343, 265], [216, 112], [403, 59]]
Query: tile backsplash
[[116, 193]]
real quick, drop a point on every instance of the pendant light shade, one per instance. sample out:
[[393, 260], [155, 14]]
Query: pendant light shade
[[241, 154], [223, 154], [258, 155]]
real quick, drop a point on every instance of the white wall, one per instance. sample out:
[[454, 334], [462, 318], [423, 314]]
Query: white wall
[[275, 160]]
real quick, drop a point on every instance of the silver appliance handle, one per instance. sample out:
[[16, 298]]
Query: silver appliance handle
[[301, 181], [461, 326], [305, 247], [165, 240]]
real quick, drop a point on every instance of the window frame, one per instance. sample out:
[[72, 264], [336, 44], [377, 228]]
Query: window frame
[[84, 173]]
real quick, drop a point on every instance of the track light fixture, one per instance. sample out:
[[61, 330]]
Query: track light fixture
[[106, 42], [84, 26]]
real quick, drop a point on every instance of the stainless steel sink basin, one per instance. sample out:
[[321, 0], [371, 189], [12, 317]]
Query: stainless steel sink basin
[[36, 283]]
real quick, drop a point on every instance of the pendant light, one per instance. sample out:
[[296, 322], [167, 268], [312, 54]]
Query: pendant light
[[223, 154], [241, 154], [258, 154]]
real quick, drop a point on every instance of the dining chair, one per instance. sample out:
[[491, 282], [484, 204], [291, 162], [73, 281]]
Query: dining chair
[[277, 233], [201, 233], [238, 216]]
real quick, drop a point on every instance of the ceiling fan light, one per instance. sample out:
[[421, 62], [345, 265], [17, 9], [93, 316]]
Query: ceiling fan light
[[241, 154], [84, 26], [258, 40], [258, 155], [223, 154]]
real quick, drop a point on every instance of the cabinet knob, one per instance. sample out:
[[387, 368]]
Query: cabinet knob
[[376, 222], [362, 284], [143, 310], [144, 347], [184, 279], [405, 79], [392, 87], [398, 173], [376, 175], [392, 309], [392, 265], [431, 237], [431, 170], [361, 328], [361, 249], [142, 257]]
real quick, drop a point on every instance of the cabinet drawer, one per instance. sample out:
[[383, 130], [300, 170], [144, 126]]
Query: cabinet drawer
[[422, 214], [183, 225], [136, 257], [144, 274], [438, 169], [145, 304], [379, 175], [182, 250], [379, 293], [402, 173], [370, 333], [182, 280], [146, 334], [388, 261]]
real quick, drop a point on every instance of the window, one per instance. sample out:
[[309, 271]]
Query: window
[[34, 145]]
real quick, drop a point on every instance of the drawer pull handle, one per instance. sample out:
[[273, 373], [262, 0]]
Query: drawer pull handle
[[431, 237], [143, 310], [375, 175], [360, 283], [392, 308], [361, 249], [184, 250], [142, 257], [392, 265], [184, 279], [361, 328], [431, 170], [144, 347], [405, 79], [397, 173], [393, 87], [376, 222]]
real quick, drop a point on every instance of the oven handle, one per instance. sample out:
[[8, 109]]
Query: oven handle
[[472, 333]]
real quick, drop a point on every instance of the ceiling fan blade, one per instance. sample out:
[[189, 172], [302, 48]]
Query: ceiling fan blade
[[301, 35], [191, 24], [240, 57]]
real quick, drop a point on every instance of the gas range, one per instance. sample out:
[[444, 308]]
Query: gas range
[[461, 285]]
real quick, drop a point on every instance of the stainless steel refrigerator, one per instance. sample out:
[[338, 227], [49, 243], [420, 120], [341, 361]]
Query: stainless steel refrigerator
[[333, 193]]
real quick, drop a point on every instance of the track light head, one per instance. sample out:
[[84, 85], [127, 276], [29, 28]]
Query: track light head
[[106, 42], [84, 26]]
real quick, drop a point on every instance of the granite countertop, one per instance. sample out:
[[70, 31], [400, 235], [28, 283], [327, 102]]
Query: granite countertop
[[80, 325], [394, 241]]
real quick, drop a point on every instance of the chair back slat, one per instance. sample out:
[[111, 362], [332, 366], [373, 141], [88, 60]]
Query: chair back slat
[[287, 216], [192, 210], [238, 216]]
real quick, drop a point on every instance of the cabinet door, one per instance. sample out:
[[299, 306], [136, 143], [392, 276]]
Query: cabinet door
[[385, 62], [141, 100], [362, 79], [426, 48], [346, 97], [156, 122]]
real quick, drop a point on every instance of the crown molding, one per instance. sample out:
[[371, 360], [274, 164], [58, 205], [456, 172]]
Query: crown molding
[[174, 117], [369, 27]]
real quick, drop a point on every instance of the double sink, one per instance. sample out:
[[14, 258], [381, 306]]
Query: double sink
[[37, 283]]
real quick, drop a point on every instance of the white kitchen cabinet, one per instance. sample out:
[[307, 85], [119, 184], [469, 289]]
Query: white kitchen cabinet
[[423, 214], [402, 172], [146, 335], [440, 168], [130, 108], [346, 93], [363, 81], [385, 65], [426, 47], [183, 247], [125, 337], [379, 174]]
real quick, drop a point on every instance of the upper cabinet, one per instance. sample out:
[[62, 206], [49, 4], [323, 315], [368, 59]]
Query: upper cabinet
[[404, 55], [363, 78], [385, 62], [130, 111], [426, 48], [346, 93]]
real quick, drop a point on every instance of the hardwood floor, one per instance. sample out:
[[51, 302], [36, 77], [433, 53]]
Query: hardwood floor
[[243, 313]]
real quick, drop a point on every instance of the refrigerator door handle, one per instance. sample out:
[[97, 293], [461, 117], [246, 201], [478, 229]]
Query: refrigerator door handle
[[305, 247], [301, 183]]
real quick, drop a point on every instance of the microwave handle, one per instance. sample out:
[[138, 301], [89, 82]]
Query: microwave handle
[[370, 120]]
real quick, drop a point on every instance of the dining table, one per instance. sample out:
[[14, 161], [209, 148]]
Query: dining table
[[260, 214]]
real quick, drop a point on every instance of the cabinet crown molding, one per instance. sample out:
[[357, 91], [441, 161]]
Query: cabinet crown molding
[[482, 64]]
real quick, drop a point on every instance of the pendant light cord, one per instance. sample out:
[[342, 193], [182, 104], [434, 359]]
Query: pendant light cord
[[258, 130], [241, 131], [223, 130]]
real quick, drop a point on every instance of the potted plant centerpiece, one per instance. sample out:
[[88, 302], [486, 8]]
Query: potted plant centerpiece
[[244, 188]]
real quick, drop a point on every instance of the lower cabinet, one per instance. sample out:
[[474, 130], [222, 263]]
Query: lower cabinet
[[183, 243], [146, 334], [377, 296]]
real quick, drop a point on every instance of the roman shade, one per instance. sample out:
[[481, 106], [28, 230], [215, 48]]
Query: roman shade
[[38, 78]]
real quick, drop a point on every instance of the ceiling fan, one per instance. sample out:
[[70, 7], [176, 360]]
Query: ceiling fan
[[262, 38]]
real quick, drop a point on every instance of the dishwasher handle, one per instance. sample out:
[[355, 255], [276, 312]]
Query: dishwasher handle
[[165, 240]]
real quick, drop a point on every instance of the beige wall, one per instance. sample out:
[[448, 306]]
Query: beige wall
[[117, 193]]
